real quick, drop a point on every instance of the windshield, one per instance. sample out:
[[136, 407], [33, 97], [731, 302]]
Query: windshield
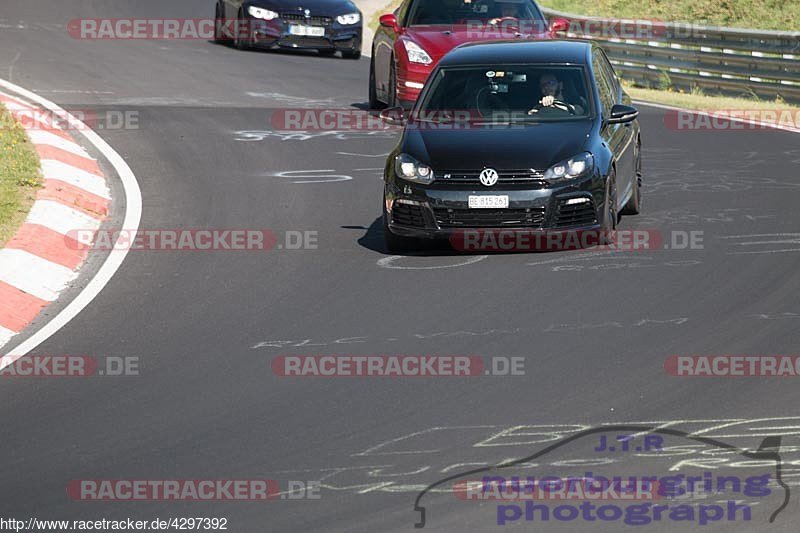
[[467, 12], [503, 93]]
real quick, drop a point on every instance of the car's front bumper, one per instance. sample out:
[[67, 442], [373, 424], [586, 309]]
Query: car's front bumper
[[411, 78], [442, 210], [275, 33]]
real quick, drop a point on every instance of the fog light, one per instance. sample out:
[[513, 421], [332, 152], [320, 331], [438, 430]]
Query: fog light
[[573, 201]]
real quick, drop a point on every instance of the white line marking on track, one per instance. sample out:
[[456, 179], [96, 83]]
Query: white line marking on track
[[133, 215], [60, 218], [363, 155], [34, 275], [388, 262]]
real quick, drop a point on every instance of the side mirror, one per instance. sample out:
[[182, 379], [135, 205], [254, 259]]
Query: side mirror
[[394, 116], [389, 21], [559, 25], [621, 114]]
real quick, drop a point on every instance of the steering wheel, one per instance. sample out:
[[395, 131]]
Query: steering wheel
[[488, 103], [499, 20], [564, 106]]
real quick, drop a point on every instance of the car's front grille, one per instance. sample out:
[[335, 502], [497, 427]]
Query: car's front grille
[[575, 215], [528, 176], [532, 217], [408, 215], [298, 18], [305, 42]]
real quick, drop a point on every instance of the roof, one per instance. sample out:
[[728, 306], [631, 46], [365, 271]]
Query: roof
[[519, 51]]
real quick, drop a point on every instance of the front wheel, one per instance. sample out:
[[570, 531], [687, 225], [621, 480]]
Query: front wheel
[[219, 34], [374, 103], [391, 91], [611, 217], [634, 205], [243, 38]]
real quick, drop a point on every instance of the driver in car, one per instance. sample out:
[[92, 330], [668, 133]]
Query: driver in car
[[552, 92]]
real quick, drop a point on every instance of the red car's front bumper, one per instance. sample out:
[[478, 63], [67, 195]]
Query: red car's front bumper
[[411, 78]]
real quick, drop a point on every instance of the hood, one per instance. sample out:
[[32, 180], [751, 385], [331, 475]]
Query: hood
[[328, 8], [437, 40], [517, 147]]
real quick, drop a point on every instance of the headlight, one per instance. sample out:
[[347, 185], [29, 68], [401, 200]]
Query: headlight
[[410, 169], [350, 18], [261, 13], [574, 167], [416, 54]]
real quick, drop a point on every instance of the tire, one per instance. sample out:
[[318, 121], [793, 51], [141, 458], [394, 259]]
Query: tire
[[219, 36], [396, 243], [355, 54], [611, 217], [391, 96], [374, 103], [634, 205], [239, 42]]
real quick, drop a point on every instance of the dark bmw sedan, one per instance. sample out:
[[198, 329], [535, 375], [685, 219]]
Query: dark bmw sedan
[[514, 136], [324, 25]]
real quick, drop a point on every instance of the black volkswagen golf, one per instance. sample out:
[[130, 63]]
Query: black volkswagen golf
[[514, 136]]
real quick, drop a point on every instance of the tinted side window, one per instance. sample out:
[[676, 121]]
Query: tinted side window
[[611, 76], [402, 12], [603, 83]]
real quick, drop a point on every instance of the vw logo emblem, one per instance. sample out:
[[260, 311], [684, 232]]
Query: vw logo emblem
[[488, 176], [307, 13]]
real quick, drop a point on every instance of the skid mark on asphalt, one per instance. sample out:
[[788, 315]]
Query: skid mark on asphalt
[[775, 243], [405, 463], [310, 342], [339, 135]]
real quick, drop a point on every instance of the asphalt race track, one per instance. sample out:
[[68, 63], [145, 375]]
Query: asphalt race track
[[594, 327]]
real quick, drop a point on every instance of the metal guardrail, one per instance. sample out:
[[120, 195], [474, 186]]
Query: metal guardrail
[[685, 56]]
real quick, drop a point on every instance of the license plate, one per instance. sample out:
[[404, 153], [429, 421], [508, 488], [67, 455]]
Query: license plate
[[487, 201], [306, 31]]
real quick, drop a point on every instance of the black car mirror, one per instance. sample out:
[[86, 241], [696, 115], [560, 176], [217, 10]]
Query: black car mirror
[[621, 114], [394, 116]]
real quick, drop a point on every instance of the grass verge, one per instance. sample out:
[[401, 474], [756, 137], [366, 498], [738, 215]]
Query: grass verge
[[756, 14], [19, 175], [699, 101]]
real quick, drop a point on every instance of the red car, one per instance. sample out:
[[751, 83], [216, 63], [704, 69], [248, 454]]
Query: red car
[[410, 41]]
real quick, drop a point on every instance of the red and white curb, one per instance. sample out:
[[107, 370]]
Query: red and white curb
[[41, 260]]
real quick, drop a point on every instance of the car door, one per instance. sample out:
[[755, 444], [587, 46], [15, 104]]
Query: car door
[[616, 136], [626, 160]]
